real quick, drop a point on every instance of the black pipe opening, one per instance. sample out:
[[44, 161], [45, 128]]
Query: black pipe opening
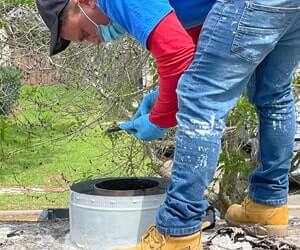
[[122, 186], [126, 184]]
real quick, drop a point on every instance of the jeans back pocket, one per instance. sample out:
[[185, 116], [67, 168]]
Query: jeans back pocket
[[276, 5], [260, 28]]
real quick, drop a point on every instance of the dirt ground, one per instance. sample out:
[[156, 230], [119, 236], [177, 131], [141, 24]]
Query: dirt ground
[[55, 236]]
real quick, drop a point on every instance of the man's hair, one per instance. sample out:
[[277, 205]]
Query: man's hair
[[70, 8]]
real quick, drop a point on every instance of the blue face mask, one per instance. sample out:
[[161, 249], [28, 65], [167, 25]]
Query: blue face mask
[[108, 32]]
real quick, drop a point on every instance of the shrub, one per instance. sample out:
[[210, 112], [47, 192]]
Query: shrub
[[10, 83]]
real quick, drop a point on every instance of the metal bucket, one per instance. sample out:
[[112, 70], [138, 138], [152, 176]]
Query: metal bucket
[[113, 212]]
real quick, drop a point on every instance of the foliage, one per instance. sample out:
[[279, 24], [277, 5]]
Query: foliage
[[233, 163], [46, 145], [296, 79], [100, 83], [233, 170], [10, 83], [243, 115], [15, 3]]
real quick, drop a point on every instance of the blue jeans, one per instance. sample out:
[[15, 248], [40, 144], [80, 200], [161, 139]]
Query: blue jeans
[[240, 40]]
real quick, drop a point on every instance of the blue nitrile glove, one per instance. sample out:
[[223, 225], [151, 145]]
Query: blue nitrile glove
[[146, 104], [143, 129]]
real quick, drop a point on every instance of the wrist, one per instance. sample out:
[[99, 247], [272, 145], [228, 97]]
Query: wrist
[[167, 120]]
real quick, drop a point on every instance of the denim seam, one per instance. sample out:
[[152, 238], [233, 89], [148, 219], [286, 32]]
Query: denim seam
[[275, 9], [271, 202], [213, 33], [252, 196], [214, 29], [178, 231]]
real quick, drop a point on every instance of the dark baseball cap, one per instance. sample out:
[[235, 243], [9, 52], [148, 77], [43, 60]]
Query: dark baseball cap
[[50, 11]]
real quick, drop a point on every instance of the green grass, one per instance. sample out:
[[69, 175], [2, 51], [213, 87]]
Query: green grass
[[31, 154], [57, 164], [33, 201]]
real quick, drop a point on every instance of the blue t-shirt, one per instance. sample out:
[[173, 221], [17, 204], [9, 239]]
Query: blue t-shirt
[[191, 12], [139, 17]]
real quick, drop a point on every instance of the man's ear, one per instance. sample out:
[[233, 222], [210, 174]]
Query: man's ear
[[90, 3]]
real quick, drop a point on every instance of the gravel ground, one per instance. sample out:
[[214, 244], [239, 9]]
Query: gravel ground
[[55, 236]]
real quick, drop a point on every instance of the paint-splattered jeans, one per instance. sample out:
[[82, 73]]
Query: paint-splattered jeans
[[240, 39]]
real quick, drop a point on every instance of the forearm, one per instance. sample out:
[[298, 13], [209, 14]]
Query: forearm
[[173, 49]]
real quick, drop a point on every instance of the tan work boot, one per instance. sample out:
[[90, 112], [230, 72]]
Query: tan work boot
[[154, 240], [273, 219]]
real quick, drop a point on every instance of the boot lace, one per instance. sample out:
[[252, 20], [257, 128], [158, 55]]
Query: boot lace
[[152, 239], [245, 202]]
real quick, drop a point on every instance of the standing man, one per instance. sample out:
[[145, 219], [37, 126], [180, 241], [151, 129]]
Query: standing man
[[170, 37], [240, 40]]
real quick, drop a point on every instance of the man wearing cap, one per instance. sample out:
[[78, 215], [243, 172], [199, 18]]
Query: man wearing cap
[[257, 39], [170, 37]]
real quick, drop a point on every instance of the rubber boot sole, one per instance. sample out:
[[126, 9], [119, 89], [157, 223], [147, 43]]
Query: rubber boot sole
[[259, 230]]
